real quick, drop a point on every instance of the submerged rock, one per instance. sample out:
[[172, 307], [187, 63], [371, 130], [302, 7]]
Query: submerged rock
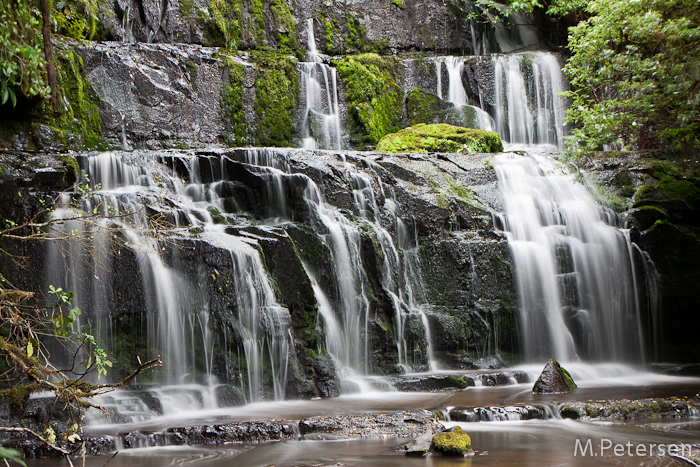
[[441, 138], [454, 442], [554, 380]]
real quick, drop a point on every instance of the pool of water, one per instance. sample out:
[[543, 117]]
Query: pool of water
[[550, 442]]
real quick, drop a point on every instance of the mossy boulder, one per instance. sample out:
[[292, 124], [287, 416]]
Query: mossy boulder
[[441, 138], [554, 380], [454, 442]]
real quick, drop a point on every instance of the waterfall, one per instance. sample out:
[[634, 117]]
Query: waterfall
[[527, 104], [400, 279], [345, 320], [176, 305], [319, 86], [466, 114], [574, 269]]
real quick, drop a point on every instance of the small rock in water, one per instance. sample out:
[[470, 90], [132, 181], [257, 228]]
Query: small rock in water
[[554, 380], [453, 442], [419, 446]]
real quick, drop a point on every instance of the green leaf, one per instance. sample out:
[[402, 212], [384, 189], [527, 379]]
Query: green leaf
[[12, 455]]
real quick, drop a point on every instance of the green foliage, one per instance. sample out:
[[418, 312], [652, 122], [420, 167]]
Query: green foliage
[[186, 7], [21, 53], [441, 138], [356, 38], [284, 26], [375, 101], [276, 88], [634, 75], [77, 18], [329, 29], [223, 26], [12, 455]]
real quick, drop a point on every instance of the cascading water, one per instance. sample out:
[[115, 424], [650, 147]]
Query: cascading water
[[468, 115], [321, 121], [400, 279], [529, 110], [176, 308], [574, 267], [345, 320]]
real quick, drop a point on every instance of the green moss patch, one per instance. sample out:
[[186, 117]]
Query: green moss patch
[[441, 138], [232, 112], [452, 443], [223, 24], [77, 113], [375, 101], [276, 89]]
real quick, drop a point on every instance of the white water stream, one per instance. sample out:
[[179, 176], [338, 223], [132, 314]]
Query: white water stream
[[319, 88], [574, 266]]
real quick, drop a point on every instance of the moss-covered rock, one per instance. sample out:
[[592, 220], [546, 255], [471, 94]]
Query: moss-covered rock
[[232, 112], [554, 380], [374, 100], [454, 442], [276, 90], [441, 138], [425, 107]]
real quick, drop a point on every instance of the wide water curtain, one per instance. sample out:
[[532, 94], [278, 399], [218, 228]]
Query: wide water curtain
[[574, 264]]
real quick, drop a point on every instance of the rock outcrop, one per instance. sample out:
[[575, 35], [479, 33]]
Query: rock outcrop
[[554, 380]]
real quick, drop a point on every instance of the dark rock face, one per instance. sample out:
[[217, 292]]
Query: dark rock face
[[554, 380], [397, 26], [157, 95]]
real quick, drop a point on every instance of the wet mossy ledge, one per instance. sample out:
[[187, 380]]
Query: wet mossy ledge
[[441, 137]]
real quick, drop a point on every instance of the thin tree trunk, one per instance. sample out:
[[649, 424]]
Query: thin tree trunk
[[48, 51]]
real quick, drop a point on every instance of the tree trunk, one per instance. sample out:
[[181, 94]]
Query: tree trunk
[[48, 51]]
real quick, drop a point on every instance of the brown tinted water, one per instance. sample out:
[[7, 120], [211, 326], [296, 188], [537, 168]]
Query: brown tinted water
[[552, 442]]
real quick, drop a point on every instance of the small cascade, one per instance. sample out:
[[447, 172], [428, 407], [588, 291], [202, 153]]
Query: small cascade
[[343, 239], [176, 315], [528, 108], [319, 86], [574, 269], [468, 115], [344, 321], [499, 414], [400, 279]]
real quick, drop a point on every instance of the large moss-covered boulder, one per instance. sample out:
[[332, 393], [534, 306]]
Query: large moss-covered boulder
[[554, 380], [441, 138], [454, 442]]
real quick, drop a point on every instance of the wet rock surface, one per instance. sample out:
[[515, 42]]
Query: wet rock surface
[[631, 409], [433, 383], [554, 380], [405, 424]]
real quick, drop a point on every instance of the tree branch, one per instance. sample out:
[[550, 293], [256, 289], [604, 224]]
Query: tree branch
[[36, 435]]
